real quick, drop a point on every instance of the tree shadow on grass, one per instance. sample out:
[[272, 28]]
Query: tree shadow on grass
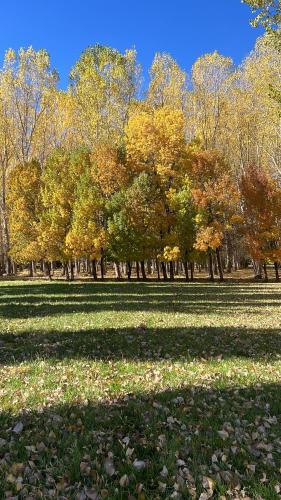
[[142, 343], [22, 301], [62, 450]]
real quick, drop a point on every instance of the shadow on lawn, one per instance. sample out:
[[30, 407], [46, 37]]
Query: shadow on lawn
[[142, 343], [51, 299], [176, 429]]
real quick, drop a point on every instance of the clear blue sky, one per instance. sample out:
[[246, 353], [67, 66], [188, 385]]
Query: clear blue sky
[[184, 28]]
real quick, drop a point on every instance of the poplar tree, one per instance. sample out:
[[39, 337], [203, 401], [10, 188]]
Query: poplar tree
[[24, 205]]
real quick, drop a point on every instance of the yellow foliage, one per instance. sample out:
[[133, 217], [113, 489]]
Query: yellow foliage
[[171, 253]]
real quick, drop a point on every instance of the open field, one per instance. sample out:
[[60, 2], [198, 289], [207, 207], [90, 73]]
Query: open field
[[140, 390]]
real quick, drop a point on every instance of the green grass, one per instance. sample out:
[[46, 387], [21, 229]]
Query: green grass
[[102, 374]]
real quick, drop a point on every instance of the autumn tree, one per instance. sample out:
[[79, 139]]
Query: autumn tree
[[6, 156], [25, 82], [155, 142], [87, 237], [211, 78], [59, 184], [109, 170], [216, 197], [252, 134], [104, 82], [262, 215], [167, 85], [24, 212], [182, 235], [59, 129], [137, 220], [268, 15]]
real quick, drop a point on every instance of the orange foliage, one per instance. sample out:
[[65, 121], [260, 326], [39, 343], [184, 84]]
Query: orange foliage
[[261, 197], [109, 168], [215, 196]]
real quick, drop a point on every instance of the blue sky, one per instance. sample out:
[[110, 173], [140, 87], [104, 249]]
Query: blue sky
[[184, 28]]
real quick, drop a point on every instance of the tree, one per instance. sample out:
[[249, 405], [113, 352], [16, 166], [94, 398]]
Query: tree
[[183, 232], [59, 185], [168, 83], [216, 197], [109, 168], [137, 219], [261, 207], [59, 129], [268, 15], [24, 211], [268, 12], [155, 142], [87, 235], [25, 84], [252, 134], [211, 77], [6, 155], [104, 83]]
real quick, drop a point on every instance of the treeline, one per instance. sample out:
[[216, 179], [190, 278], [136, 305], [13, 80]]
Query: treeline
[[186, 174]]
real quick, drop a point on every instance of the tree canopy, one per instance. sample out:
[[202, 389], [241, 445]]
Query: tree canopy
[[187, 172]]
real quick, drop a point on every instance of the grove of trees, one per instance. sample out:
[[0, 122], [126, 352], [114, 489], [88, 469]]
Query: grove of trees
[[185, 174]]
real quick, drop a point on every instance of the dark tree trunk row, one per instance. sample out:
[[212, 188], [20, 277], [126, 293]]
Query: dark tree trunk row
[[216, 264]]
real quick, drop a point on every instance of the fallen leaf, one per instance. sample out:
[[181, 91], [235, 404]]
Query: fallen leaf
[[109, 467], [18, 428], [124, 481], [139, 464]]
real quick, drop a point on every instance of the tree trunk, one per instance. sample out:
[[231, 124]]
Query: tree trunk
[[102, 266], [171, 267], [191, 271], [164, 271], [2, 264], [185, 265], [47, 269], [138, 270], [210, 261], [215, 266], [4, 217], [77, 267], [66, 271], [71, 270], [219, 264], [257, 270], [143, 270], [265, 272], [129, 270], [14, 268], [117, 270], [158, 270], [30, 269], [94, 269], [276, 271], [229, 254]]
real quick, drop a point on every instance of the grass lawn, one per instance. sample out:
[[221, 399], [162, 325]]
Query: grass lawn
[[140, 390]]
